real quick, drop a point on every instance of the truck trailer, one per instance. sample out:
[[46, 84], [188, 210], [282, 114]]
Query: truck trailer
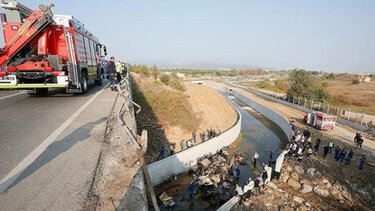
[[42, 50]]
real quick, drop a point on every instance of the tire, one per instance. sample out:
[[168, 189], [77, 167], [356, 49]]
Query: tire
[[98, 80], [84, 83]]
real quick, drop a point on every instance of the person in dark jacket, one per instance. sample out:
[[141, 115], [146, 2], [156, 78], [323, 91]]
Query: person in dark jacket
[[111, 68], [349, 158]]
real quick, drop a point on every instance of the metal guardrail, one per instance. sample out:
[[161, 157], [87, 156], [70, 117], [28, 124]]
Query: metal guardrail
[[125, 92]]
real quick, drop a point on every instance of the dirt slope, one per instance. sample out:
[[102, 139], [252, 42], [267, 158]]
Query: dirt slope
[[203, 108]]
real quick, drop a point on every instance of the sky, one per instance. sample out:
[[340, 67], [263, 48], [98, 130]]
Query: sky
[[322, 35]]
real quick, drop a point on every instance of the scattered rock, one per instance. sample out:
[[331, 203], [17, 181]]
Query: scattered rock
[[346, 195], [272, 185], [311, 171], [305, 181], [280, 190], [336, 194], [289, 168], [306, 188], [320, 191], [294, 183], [307, 204], [298, 199], [285, 177], [299, 169], [295, 175]]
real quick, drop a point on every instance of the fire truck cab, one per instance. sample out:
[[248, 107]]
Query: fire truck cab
[[45, 51]]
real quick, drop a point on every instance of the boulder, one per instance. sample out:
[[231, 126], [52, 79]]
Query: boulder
[[289, 168], [325, 181], [306, 188], [299, 169], [272, 185], [320, 191], [336, 194], [311, 171], [346, 195], [298, 199], [295, 175], [284, 177], [305, 181], [294, 183], [307, 204]]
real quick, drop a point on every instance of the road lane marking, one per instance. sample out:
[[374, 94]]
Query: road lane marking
[[8, 96], [16, 171]]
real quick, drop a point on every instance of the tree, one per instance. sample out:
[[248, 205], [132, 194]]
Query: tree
[[155, 72], [300, 82], [331, 76]]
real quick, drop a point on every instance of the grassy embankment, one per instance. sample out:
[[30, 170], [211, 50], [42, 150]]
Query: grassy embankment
[[162, 107]]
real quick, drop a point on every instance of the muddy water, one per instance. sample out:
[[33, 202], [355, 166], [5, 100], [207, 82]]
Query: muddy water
[[257, 134]]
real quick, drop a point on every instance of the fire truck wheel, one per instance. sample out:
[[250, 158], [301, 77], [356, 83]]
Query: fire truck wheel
[[84, 84], [98, 82]]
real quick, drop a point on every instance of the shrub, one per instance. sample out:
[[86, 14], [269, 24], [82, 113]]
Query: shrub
[[264, 84], [177, 84], [355, 81], [164, 78], [331, 76], [324, 84], [281, 84]]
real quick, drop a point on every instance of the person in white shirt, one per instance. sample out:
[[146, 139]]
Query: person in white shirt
[[256, 156], [239, 194]]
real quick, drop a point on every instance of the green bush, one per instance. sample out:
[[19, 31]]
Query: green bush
[[264, 84], [164, 78], [355, 81], [176, 83], [324, 84]]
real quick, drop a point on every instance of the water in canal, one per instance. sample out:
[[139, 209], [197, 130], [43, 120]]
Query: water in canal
[[257, 134]]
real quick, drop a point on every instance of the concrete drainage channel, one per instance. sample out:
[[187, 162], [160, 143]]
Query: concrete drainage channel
[[182, 162]]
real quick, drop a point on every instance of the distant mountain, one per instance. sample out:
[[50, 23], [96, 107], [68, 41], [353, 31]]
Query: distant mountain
[[196, 65]]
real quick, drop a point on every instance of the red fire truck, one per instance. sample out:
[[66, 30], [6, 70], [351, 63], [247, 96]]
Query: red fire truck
[[45, 51], [320, 120]]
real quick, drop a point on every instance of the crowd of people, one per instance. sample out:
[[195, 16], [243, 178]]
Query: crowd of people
[[301, 146], [186, 144]]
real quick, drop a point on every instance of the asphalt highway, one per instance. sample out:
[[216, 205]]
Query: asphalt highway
[[50, 146]]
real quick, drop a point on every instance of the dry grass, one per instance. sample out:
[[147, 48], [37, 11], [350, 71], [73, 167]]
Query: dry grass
[[359, 98]]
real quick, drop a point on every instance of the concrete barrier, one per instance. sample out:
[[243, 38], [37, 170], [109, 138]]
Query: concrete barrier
[[275, 117], [184, 160]]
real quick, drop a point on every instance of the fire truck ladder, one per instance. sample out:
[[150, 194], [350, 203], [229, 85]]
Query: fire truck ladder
[[73, 76], [31, 27]]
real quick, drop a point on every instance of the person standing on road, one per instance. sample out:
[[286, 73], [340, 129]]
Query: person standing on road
[[359, 143], [239, 193], [119, 69], [325, 152], [111, 68], [337, 153], [264, 177], [171, 148], [342, 155], [349, 158], [256, 156], [330, 146], [194, 136], [317, 144], [362, 162], [256, 186], [161, 153]]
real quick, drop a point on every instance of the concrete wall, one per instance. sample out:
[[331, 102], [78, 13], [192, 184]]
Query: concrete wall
[[184, 160], [275, 117], [301, 108]]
